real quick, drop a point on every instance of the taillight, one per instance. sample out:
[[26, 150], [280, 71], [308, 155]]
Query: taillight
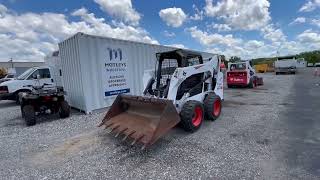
[[4, 89], [47, 98]]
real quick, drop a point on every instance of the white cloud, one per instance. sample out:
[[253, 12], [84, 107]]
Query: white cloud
[[310, 37], [221, 27], [311, 5], [121, 9], [198, 14], [180, 46], [245, 15], [248, 49], [32, 35], [174, 17], [254, 44], [213, 39], [3, 9], [168, 34], [298, 20], [273, 34], [315, 22]]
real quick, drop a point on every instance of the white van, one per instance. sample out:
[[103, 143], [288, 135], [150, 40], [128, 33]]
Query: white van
[[36, 76]]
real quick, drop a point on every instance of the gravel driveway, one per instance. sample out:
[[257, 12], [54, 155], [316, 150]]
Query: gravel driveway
[[246, 142]]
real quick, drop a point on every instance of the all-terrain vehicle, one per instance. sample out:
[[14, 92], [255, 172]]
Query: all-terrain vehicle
[[43, 100], [241, 74], [184, 89]]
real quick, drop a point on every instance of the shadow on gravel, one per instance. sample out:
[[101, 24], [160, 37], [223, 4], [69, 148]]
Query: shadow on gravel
[[230, 103], [14, 122], [8, 104]]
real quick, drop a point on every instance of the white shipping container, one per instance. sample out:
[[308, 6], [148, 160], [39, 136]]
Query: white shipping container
[[95, 69]]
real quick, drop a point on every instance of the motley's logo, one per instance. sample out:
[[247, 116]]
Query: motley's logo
[[115, 54]]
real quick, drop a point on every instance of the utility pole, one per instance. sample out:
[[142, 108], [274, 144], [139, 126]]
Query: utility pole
[[11, 60]]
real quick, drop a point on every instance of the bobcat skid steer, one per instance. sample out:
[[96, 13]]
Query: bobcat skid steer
[[183, 89]]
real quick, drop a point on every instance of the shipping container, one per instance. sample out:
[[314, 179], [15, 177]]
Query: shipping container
[[95, 69]]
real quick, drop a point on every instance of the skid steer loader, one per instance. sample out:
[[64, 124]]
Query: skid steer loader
[[183, 89]]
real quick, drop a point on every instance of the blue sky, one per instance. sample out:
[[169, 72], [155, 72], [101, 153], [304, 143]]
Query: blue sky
[[253, 28]]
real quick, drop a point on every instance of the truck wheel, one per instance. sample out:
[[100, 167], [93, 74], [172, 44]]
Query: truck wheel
[[212, 106], [17, 98], [64, 110], [192, 115], [29, 115], [251, 84]]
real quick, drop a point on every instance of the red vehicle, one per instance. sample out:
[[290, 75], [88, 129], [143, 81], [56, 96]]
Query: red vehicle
[[241, 74]]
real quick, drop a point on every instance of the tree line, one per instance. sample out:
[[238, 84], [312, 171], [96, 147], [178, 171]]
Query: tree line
[[310, 57]]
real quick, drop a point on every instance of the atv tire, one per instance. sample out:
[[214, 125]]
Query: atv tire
[[212, 106], [64, 110], [192, 115], [251, 84], [29, 115]]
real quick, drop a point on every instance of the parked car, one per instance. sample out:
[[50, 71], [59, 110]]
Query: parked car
[[310, 64], [317, 64], [36, 76]]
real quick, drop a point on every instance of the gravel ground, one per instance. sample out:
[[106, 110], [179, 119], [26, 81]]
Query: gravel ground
[[242, 144]]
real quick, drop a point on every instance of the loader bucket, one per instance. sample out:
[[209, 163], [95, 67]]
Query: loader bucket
[[143, 119]]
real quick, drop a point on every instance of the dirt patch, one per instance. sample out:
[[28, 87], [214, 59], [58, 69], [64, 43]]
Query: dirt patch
[[70, 148], [264, 141]]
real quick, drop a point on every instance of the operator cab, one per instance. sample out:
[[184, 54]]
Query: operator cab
[[167, 62]]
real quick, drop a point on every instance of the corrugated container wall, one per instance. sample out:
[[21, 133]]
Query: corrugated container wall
[[84, 59]]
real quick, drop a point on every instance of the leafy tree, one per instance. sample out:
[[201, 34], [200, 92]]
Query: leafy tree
[[3, 72], [310, 57]]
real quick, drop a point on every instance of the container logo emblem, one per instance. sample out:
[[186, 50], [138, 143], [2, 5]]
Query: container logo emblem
[[115, 54]]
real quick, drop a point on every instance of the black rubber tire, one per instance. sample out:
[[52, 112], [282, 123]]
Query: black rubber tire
[[187, 114], [209, 103], [251, 84], [29, 115], [229, 86], [64, 109], [22, 113], [17, 99]]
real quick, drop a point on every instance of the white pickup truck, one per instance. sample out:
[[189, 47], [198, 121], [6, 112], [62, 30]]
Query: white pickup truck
[[286, 65], [35, 76]]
